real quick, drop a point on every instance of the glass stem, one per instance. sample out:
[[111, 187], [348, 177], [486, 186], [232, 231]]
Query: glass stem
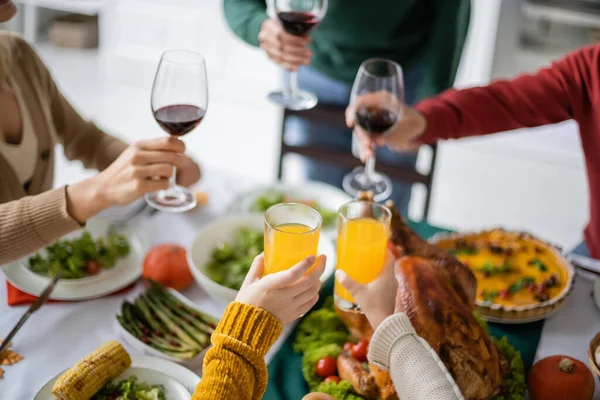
[[370, 169], [173, 179], [293, 86]]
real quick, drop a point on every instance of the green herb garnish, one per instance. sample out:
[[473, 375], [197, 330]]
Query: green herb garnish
[[489, 269], [520, 284], [463, 250], [536, 262], [489, 296]]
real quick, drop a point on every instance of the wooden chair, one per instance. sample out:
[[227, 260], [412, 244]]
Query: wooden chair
[[334, 117]]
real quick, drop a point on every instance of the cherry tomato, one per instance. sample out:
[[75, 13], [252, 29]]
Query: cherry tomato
[[348, 346], [359, 351], [92, 268], [332, 378], [326, 367]]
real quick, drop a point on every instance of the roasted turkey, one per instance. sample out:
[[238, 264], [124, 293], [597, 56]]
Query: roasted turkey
[[437, 292]]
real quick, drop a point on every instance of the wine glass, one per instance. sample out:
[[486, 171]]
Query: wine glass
[[298, 18], [377, 97], [179, 102]]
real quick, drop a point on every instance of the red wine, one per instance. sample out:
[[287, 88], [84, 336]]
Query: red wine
[[179, 119], [298, 23], [375, 120]]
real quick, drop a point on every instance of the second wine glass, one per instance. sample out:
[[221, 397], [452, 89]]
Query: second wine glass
[[377, 98], [298, 18], [179, 102]]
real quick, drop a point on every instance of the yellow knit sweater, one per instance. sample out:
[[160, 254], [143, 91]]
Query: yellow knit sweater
[[234, 368]]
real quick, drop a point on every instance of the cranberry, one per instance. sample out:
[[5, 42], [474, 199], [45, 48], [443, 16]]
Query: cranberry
[[504, 294]]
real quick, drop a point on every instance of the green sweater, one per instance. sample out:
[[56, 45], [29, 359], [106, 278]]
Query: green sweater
[[428, 32]]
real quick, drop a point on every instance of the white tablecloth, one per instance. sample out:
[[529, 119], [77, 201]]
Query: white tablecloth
[[59, 334]]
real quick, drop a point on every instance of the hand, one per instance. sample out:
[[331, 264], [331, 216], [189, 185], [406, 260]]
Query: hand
[[143, 167], [189, 173], [288, 294], [318, 396], [376, 299], [404, 135], [287, 50]]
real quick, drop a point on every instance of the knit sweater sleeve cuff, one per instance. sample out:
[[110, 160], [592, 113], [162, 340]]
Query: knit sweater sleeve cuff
[[254, 26], [250, 325], [392, 329], [434, 111], [47, 215]]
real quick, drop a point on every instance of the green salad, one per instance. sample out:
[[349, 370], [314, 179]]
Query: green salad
[[272, 197], [230, 261], [322, 334], [130, 389], [80, 257]]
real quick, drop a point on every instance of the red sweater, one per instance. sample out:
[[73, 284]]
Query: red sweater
[[568, 89]]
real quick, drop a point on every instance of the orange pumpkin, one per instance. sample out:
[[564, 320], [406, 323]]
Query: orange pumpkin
[[560, 378], [167, 264]]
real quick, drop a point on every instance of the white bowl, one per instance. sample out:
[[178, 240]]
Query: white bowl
[[224, 230]]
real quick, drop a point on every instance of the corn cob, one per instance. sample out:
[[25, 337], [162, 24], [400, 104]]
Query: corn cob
[[84, 379]]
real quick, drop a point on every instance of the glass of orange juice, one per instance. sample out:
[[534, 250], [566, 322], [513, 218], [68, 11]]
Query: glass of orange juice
[[363, 231], [292, 233]]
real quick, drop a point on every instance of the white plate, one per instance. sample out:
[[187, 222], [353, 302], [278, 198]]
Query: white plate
[[326, 196], [224, 230], [178, 381], [125, 272], [151, 351]]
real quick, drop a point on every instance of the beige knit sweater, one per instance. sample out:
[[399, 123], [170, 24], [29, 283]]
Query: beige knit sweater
[[416, 370], [30, 219]]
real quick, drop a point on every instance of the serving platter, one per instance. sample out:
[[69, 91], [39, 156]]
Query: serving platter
[[124, 273], [178, 381]]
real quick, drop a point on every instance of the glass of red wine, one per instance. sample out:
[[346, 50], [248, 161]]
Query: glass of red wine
[[298, 18], [377, 98], [179, 102]]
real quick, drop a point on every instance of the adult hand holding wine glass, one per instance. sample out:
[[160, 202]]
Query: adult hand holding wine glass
[[179, 102], [287, 42], [402, 137], [376, 105]]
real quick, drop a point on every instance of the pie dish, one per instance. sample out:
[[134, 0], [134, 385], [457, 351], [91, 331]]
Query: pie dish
[[519, 278]]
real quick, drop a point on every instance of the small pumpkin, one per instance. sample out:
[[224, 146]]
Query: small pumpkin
[[560, 378], [167, 264]]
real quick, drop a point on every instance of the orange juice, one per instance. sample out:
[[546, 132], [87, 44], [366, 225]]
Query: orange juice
[[288, 244], [361, 250]]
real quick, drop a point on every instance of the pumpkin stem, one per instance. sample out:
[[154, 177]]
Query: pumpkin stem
[[565, 365]]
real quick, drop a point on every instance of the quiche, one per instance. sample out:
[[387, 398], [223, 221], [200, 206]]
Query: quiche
[[519, 278]]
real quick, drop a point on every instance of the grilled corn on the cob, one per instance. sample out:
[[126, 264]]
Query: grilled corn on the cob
[[84, 379]]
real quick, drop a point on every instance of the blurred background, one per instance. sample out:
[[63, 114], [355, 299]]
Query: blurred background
[[103, 54]]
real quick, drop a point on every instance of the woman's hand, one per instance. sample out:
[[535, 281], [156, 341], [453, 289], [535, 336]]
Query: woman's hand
[[376, 299], [403, 137], [287, 50], [288, 294], [189, 173], [143, 167]]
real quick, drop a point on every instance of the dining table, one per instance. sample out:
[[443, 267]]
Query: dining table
[[60, 333]]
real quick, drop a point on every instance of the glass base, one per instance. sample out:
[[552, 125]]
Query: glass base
[[345, 305], [174, 199], [356, 181], [300, 100]]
